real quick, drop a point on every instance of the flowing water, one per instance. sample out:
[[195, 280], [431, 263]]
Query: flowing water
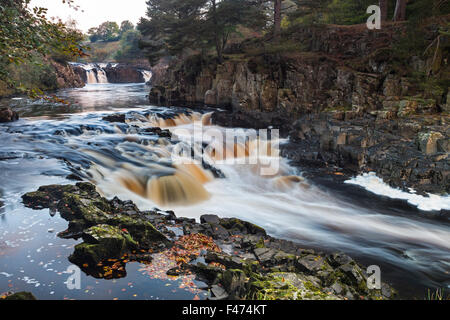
[[128, 160]]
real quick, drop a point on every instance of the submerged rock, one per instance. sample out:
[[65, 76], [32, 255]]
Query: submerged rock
[[120, 118]]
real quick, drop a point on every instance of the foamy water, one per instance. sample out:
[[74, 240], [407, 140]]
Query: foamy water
[[374, 184]]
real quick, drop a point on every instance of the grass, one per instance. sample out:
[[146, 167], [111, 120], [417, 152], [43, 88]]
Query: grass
[[438, 295]]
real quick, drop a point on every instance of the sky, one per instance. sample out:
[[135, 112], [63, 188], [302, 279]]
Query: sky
[[95, 11]]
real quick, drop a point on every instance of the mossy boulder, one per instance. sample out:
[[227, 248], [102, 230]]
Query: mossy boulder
[[287, 286], [20, 296], [102, 242], [240, 226], [141, 230]]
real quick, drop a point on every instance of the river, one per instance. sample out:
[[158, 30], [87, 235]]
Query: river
[[51, 141]]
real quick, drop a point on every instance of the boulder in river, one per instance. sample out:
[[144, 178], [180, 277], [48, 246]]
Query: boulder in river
[[8, 115], [102, 242]]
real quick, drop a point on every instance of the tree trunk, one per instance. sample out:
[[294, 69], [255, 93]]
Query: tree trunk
[[219, 47], [384, 9], [400, 10], [277, 18]]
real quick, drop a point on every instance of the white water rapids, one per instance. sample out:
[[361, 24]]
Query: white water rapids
[[306, 213]]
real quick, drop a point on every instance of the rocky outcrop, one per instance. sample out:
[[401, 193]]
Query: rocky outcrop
[[253, 266], [123, 73], [66, 76], [8, 115], [406, 153], [345, 73]]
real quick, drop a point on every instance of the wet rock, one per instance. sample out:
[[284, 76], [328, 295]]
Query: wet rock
[[339, 259], [234, 283], [219, 232], [159, 132], [8, 115], [310, 264], [102, 242], [239, 226], [207, 273], [119, 118], [74, 177], [228, 261], [209, 218], [74, 231], [353, 273], [218, 293]]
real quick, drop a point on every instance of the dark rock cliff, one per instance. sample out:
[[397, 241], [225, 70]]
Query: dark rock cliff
[[343, 96]]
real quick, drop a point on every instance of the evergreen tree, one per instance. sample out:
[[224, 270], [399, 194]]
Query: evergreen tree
[[173, 26]]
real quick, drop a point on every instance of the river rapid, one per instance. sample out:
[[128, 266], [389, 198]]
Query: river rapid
[[52, 141]]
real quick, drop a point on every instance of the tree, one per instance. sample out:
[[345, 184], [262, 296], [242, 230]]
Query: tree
[[171, 27], [93, 34], [108, 31], [277, 18], [400, 10], [25, 32], [126, 26], [384, 9], [174, 26], [129, 47], [223, 19]]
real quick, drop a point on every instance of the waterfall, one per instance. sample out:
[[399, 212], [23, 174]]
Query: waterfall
[[96, 73], [147, 75], [91, 76], [101, 76]]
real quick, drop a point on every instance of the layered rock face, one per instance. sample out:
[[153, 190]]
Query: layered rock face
[[344, 72], [407, 153], [66, 76]]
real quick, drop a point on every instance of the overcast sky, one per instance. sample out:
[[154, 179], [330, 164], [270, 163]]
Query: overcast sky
[[95, 11]]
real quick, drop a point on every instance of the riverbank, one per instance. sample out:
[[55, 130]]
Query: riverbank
[[45, 74]]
